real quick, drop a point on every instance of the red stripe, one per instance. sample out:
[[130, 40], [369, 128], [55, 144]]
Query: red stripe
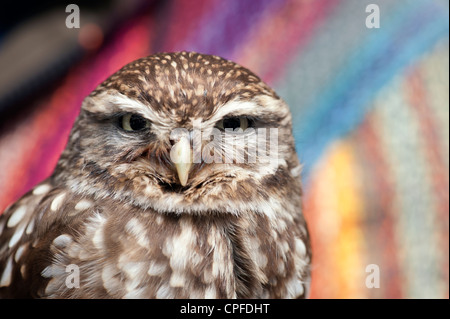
[[378, 175], [417, 97]]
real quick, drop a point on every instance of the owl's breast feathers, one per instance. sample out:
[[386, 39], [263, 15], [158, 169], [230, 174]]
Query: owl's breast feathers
[[120, 251]]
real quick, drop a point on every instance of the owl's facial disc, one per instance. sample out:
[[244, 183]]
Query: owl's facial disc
[[148, 130], [186, 151]]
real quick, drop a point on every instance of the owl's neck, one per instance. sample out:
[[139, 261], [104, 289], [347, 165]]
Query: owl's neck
[[246, 256], [123, 251]]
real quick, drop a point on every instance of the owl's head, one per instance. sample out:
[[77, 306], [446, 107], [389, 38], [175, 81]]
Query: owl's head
[[182, 132]]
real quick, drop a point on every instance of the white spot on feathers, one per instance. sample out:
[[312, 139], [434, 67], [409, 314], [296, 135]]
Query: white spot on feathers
[[53, 271], [164, 292], [94, 227], [19, 252], [52, 286], [110, 278], [300, 247], [57, 202], [136, 294], [41, 189], [177, 279], [83, 205], [17, 236], [5, 280], [62, 241], [30, 227], [156, 269], [210, 292], [17, 216], [97, 240], [294, 288], [135, 228]]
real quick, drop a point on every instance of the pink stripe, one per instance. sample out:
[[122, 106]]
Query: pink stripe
[[184, 20], [299, 37], [275, 41]]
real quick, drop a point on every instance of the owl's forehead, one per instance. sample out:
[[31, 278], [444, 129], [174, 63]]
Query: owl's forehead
[[185, 84]]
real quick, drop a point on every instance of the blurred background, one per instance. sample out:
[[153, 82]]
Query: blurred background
[[370, 110]]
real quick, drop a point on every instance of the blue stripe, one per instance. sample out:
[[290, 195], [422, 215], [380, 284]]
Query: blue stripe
[[346, 100]]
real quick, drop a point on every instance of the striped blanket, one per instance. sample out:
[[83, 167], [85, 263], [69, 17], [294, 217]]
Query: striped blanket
[[371, 120]]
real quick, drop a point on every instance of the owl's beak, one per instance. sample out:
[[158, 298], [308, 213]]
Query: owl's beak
[[182, 157]]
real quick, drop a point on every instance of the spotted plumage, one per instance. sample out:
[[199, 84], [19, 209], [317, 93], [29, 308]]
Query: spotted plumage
[[135, 223]]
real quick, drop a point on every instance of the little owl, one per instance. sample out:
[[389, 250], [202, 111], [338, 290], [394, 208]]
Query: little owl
[[152, 199]]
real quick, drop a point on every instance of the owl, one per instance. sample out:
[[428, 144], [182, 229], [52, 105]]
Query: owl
[[180, 179]]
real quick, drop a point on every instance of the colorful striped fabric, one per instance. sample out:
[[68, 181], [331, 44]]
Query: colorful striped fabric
[[371, 121]]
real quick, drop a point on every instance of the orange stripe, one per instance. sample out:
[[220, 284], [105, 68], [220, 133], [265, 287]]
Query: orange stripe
[[334, 211], [319, 210]]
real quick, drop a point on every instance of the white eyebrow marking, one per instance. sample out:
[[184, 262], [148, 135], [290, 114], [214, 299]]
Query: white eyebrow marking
[[261, 105], [236, 108], [126, 104]]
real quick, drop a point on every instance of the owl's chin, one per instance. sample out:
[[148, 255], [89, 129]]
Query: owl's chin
[[175, 204], [173, 188], [222, 194]]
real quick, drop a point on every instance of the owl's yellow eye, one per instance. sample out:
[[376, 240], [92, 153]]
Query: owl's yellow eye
[[234, 123], [133, 122]]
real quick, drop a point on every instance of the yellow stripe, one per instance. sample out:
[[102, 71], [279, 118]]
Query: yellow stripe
[[340, 207]]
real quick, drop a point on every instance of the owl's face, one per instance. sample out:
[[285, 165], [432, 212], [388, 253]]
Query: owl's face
[[181, 132]]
